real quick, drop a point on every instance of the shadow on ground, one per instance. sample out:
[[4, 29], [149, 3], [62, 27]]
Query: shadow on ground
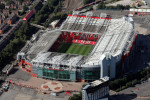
[[14, 70], [123, 97]]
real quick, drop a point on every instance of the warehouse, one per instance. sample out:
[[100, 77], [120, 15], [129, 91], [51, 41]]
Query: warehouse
[[85, 48]]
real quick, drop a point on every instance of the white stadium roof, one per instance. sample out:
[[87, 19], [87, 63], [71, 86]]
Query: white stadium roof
[[114, 41], [115, 38]]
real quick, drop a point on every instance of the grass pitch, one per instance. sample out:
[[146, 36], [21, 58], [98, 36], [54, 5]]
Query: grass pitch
[[80, 49]]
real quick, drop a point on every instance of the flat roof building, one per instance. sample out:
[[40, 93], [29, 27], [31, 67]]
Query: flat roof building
[[29, 15], [96, 90], [7, 69]]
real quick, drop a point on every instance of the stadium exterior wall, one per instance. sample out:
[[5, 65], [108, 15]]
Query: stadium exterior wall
[[54, 74]]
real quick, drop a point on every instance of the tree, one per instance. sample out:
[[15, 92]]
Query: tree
[[128, 84], [57, 9], [87, 1], [101, 5], [25, 8], [2, 6], [53, 2], [20, 1], [9, 2], [134, 82], [76, 96]]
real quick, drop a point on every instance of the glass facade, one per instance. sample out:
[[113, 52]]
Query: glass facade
[[59, 75], [90, 75]]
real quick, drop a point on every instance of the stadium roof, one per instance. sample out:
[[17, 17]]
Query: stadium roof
[[57, 58], [40, 43], [116, 39], [86, 24]]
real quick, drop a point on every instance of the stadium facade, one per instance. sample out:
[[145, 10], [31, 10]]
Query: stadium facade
[[86, 47]]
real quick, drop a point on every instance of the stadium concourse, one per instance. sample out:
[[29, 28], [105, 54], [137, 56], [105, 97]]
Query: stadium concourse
[[85, 47]]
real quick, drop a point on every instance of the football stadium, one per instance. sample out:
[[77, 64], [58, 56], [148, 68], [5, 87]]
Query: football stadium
[[86, 47]]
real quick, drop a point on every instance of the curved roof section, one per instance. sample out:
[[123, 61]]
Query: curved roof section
[[115, 40]]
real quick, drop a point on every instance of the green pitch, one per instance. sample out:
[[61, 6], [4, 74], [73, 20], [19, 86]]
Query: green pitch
[[75, 48]]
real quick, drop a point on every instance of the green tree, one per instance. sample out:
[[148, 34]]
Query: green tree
[[87, 1], [20, 1], [76, 96], [25, 8], [2, 6], [134, 82], [101, 5]]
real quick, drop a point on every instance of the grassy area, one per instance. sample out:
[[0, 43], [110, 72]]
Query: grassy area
[[75, 48]]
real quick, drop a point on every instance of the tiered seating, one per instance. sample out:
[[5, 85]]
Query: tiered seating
[[69, 36], [56, 44], [83, 42]]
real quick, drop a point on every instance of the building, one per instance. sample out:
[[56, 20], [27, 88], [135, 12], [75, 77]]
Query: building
[[29, 15], [2, 17], [96, 90], [55, 23], [3, 28], [7, 69], [139, 12], [12, 19], [10, 33], [87, 47]]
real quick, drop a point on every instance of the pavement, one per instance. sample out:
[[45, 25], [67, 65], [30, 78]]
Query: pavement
[[144, 22], [114, 13], [22, 93], [25, 87], [18, 74], [148, 2], [122, 2], [138, 92]]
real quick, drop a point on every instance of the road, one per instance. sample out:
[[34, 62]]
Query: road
[[138, 92]]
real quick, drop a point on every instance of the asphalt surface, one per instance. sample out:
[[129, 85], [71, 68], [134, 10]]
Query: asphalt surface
[[143, 20], [138, 92], [148, 2], [22, 93], [114, 13], [16, 92], [19, 74]]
